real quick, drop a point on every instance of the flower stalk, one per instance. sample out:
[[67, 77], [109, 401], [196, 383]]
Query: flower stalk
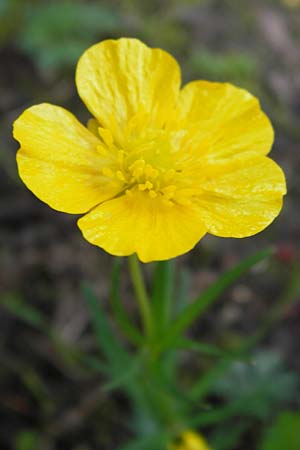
[[141, 294]]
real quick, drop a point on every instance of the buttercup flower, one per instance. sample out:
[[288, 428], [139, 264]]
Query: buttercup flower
[[157, 167], [189, 440]]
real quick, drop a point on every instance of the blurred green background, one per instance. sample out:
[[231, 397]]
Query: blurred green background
[[47, 400]]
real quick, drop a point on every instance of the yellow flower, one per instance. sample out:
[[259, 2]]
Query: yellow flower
[[157, 166], [189, 440]]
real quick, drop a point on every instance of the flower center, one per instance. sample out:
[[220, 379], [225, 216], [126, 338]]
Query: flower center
[[143, 162]]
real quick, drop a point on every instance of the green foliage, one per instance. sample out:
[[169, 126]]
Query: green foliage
[[200, 347], [258, 386], [226, 436], [56, 34], [16, 305], [148, 370], [27, 440], [251, 390], [120, 313], [197, 307], [9, 18], [284, 434], [112, 349], [157, 441], [237, 68]]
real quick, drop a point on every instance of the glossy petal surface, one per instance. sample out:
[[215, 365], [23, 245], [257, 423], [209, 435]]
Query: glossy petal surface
[[58, 160], [139, 224], [121, 79], [242, 199], [222, 121]]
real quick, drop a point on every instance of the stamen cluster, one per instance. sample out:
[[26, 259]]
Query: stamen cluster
[[135, 172]]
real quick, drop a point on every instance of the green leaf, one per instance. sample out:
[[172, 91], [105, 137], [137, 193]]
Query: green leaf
[[217, 415], [17, 306], [156, 441], [248, 382], [209, 296], [75, 24], [120, 314], [125, 377], [208, 380], [182, 291], [206, 349], [246, 388], [95, 364], [284, 434], [233, 67], [114, 352], [162, 295], [227, 437]]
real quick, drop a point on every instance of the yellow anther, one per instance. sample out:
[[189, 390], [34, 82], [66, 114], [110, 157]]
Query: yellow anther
[[152, 194], [107, 172], [150, 171], [128, 192], [106, 136], [137, 168], [138, 164], [102, 150], [120, 175], [138, 172], [144, 186]]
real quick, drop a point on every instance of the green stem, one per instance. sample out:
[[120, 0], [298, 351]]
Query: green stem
[[141, 293]]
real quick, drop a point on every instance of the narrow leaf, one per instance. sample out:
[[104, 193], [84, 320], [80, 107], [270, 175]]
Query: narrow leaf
[[17, 306], [217, 415], [112, 349], [120, 314], [208, 380], [210, 295], [125, 377], [182, 291], [189, 344]]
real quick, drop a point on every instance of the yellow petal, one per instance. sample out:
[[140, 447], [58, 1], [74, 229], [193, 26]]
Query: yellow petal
[[189, 440], [137, 223], [242, 200], [222, 121], [58, 160], [119, 79]]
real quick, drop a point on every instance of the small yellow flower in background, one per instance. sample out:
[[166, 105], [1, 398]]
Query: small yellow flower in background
[[157, 167], [189, 440]]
